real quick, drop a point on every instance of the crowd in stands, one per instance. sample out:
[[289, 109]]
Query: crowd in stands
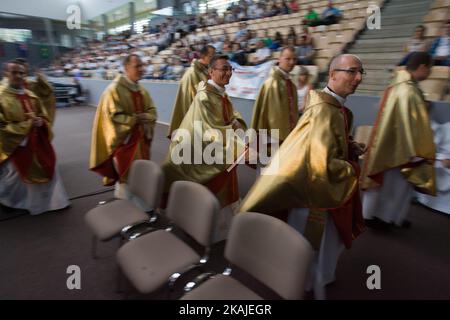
[[169, 48], [166, 55], [439, 48]]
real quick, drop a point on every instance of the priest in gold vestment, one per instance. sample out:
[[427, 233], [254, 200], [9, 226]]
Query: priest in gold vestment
[[188, 86], [41, 88], [28, 174], [401, 148], [314, 174], [206, 124], [123, 127], [276, 104]]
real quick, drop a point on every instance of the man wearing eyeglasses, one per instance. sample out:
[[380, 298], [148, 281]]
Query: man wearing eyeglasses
[[312, 181], [28, 174], [276, 104], [401, 149], [188, 86], [209, 117]]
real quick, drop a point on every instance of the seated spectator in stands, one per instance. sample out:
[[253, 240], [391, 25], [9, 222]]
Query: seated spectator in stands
[[174, 70], [241, 34], [273, 11], [440, 49], [226, 49], [303, 87], [252, 11], [292, 35], [218, 44], [267, 39], [277, 42], [262, 54], [252, 41], [148, 73], [260, 13], [78, 96], [283, 8], [293, 6], [193, 54], [306, 35], [241, 14], [311, 18], [331, 15], [417, 43], [304, 51], [238, 55]]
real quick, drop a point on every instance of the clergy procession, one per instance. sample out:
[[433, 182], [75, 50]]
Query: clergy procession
[[316, 188]]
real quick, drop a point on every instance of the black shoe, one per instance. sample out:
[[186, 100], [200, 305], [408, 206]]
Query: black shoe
[[406, 224], [6, 209], [376, 223]]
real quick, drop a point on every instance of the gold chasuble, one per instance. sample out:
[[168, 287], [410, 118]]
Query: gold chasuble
[[44, 91], [204, 145], [117, 136], [186, 92], [276, 105], [26, 146], [401, 135], [314, 169]]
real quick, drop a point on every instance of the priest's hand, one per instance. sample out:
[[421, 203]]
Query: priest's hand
[[38, 122], [236, 124], [142, 118], [358, 148], [30, 115], [446, 163]]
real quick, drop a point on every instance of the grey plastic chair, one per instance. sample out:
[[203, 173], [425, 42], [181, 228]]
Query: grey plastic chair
[[158, 258], [114, 218], [269, 250]]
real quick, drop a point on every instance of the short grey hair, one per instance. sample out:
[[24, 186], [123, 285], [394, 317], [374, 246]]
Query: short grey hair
[[336, 61]]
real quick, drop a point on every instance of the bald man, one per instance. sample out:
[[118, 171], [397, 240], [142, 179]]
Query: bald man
[[401, 150], [123, 127], [314, 174], [188, 86], [276, 104]]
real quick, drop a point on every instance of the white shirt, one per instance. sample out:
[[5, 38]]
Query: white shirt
[[338, 98], [219, 88], [286, 75], [444, 47], [301, 94], [133, 85]]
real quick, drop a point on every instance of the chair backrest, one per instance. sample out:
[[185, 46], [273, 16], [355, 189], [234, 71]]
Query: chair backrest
[[146, 181], [193, 208], [271, 251]]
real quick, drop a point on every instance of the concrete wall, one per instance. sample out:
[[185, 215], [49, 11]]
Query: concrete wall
[[364, 108]]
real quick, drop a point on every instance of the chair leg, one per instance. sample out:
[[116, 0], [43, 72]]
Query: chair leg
[[119, 288], [94, 247]]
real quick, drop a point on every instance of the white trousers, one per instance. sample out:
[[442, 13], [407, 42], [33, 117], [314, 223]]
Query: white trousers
[[36, 198], [392, 201], [442, 200], [323, 266], [223, 221]]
